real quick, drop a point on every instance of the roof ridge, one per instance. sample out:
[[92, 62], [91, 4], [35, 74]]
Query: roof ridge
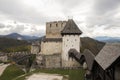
[[71, 28]]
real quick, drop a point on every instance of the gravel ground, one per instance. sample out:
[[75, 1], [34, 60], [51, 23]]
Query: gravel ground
[[43, 76]]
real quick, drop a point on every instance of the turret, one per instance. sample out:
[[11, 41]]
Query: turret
[[71, 39]]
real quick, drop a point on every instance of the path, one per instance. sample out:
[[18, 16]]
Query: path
[[43, 76], [2, 68]]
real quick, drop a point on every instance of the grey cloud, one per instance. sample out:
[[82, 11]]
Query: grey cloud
[[103, 14], [70, 3], [15, 10], [103, 6], [2, 25]]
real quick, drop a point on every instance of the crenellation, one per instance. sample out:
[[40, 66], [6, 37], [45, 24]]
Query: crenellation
[[53, 29]]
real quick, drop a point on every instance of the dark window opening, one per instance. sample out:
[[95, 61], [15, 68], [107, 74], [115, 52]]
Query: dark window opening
[[50, 25], [56, 25]]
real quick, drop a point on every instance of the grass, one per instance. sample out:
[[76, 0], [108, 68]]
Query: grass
[[11, 72], [77, 74]]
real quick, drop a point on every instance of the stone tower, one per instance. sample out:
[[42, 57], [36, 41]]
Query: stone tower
[[71, 40], [53, 29]]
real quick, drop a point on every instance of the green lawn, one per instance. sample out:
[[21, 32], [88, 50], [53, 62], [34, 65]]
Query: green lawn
[[11, 72], [77, 74]]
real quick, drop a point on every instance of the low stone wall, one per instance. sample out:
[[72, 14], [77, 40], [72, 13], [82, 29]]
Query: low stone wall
[[3, 58]]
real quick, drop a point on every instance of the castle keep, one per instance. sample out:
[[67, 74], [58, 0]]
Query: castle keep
[[60, 37]]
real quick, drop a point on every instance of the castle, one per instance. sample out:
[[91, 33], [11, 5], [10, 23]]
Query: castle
[[61, 36]]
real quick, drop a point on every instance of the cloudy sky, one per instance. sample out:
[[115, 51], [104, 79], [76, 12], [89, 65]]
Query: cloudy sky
[[28, 17]]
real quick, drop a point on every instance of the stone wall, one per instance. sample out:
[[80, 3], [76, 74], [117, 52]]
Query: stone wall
[[49, 61], [3, 58], [70, 41], [40, 60], [53, 29], [53, 61], [35, 48], [49, 48]]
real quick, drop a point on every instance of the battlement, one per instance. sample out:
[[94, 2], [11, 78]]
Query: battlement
[[53, 29]]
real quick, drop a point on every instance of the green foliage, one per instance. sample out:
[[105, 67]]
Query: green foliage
[[77, 74], [17, 49], [11, 72]]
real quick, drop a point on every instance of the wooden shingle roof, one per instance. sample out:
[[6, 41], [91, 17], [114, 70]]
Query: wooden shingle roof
[[71, 28], [108, 55], [89, 58]]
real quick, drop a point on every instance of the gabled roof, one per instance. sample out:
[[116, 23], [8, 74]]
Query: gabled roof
[[108, 55], [89, 58], [71, 28]]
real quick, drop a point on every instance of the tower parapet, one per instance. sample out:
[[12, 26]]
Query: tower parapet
[[53, 29]]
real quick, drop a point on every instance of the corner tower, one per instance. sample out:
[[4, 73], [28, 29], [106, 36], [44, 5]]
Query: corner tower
[[71, 40]]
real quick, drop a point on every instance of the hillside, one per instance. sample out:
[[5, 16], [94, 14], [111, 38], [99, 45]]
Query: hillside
[[93, 45], [19, 36], [10, 45]]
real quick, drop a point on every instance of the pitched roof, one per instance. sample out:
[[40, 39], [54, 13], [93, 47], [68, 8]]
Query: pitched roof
[[71, 28], [89, 57], [108, 55]]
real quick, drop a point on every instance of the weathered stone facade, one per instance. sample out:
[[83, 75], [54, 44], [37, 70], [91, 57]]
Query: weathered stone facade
[[53, 61], [49, 48], [60, 37], [3, 57], [49, 61], [53, 29], [35, 48], [70, 41]]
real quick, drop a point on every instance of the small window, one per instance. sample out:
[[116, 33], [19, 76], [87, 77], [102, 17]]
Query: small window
[[75, 40], [61, 24], [50, 25], [67, 39], [66, 45]]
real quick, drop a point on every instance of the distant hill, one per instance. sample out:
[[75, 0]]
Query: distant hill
[[93, 45], [11, 45], [19, 36], [108, 39]]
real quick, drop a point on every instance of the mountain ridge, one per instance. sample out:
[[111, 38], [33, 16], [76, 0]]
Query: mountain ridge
[[19, 36], [107, 39]]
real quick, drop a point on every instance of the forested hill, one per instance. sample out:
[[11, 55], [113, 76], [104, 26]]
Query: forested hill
[[13, 45], [93, 45]]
